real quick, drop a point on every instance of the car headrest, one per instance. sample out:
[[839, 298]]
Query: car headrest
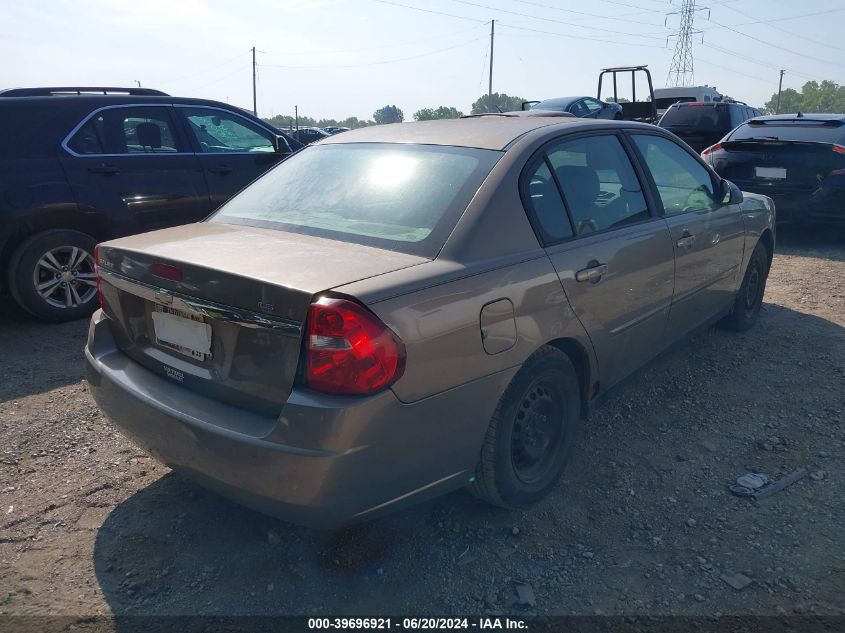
[[149, 135], [580, 184]]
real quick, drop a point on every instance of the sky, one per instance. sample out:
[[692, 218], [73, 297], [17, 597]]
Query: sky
[[340, 58]]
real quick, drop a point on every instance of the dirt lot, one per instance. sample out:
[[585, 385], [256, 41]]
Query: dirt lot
[[643, 524]]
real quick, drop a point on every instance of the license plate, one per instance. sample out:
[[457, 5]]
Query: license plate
[[772, 173], [184, 332]]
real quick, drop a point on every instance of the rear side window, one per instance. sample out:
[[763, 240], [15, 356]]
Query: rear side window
[[396, 196], [809, 132], [600, 187], [697, 117], [132, 130], [545, 204]]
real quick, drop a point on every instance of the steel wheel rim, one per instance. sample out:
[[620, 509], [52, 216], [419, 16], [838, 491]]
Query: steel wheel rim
[[64, 277], [753, 289], [538, 432]]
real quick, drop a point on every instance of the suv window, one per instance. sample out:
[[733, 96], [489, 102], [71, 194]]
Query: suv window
[[218, 132], [131, 130], [682, 182], [599, 184], [698, 117]]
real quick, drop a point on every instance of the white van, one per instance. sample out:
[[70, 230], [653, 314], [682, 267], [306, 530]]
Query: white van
[[664, 97]]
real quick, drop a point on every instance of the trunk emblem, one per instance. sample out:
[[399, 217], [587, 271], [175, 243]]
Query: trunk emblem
[[163, 298]]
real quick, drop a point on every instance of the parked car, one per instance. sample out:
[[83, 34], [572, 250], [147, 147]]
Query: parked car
[[335, 129], [82, 165], [701, 124], [796, 159], [403, 310], [307, 135], [583, 107]]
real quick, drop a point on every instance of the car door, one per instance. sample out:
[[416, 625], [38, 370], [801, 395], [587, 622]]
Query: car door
[[708, 235], [232, 150], [613, 255], [132, 163]]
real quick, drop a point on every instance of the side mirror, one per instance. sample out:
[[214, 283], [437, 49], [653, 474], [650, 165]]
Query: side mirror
[[731, 194]]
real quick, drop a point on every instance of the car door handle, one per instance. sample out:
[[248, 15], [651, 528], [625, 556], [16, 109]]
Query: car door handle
[[108, 170], [686, 241], [220, 169], [593, 273]]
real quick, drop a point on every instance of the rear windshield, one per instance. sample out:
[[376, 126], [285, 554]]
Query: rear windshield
[[805, 132], [703, 117], [400, 197]]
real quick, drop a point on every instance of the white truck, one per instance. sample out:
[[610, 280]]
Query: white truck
[[665, 97]]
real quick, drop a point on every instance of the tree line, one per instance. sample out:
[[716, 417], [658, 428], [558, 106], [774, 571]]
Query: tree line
[[825, 96]]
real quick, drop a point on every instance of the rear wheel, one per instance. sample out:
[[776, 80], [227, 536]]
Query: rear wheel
[[749, 298], [531, 433], [51, 275]]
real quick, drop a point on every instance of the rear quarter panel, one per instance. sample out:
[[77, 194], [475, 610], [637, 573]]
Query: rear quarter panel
[[758, 216]]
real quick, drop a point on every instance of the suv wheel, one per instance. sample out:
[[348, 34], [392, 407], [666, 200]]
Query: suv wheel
[[531, 433], [51, 275]]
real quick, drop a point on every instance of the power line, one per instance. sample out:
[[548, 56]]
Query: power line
[[781, 48], [378, 63], [575, 37], [451, 15], [584, 13], [536, 17], [754, 60], [791, 33], [207, 70]]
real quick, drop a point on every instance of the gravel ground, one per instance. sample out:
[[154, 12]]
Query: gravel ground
[[642, 525]]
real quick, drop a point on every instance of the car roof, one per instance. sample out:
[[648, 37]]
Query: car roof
[[486, 132]]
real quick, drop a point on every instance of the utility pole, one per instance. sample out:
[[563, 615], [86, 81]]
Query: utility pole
[[254, 99], [490, 85], [780, 89], [296, 114]]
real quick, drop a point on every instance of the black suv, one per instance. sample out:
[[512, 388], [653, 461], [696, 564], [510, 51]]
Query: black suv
[[700, 124], [82, 165]]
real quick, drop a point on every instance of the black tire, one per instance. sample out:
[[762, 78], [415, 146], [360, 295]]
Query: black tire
[[547, 382], [69, 296], [749, 297]]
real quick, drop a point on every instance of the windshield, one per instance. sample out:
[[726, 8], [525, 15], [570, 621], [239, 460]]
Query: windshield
[[399, 197]]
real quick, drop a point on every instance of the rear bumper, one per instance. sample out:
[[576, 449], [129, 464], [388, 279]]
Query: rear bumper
[[324, 462]]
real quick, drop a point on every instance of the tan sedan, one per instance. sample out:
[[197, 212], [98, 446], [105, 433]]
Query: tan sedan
[[402, 310]]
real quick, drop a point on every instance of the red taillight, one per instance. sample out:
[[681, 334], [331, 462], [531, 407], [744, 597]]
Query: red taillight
[[711, 149], [348, 350], [97, 273], [166, 271], [839, 149]]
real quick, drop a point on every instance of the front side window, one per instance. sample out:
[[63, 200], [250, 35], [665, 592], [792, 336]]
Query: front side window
[[579, 109], [599, 183], [219, 132], [133, 130], [684, 184], [397, 196]]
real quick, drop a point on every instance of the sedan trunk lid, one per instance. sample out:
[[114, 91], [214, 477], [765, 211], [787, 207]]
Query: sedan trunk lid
[[220, 308]]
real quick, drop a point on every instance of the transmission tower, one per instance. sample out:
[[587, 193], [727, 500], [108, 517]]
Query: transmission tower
[[681, 70]]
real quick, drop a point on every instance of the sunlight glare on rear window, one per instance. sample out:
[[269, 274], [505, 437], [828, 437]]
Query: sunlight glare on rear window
[[392, 170]]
